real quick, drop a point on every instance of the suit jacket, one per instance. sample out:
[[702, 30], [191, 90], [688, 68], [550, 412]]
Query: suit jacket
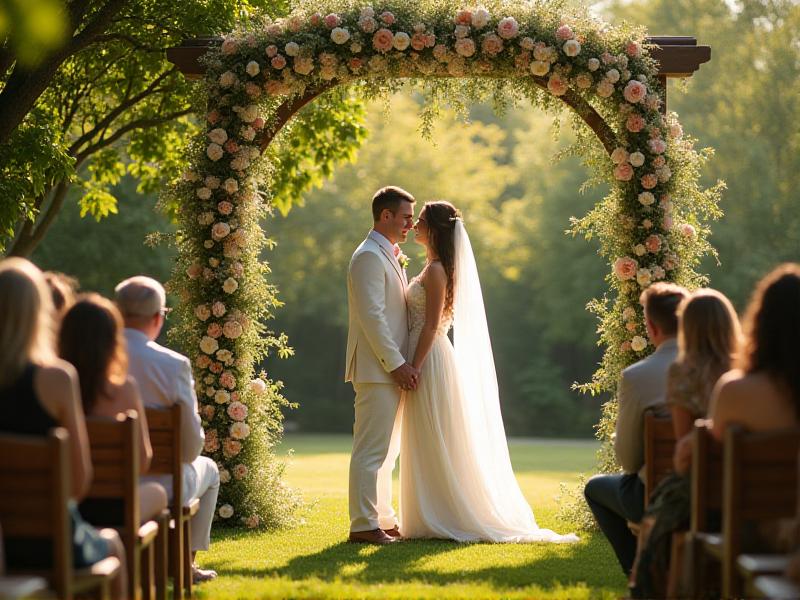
[[642, 388], [377, 337], [165, 378]]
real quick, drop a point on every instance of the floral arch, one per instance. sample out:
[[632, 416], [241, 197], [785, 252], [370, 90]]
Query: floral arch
[[651, 226]]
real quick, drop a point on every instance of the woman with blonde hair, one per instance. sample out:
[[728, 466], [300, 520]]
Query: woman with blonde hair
[[92, 339], [709, 336], [38, 391]]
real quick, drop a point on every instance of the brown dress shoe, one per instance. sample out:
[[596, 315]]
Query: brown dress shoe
[[394, 532], [374, 536]]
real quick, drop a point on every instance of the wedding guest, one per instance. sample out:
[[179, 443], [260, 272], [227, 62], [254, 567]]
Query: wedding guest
[[763, 392], [165, 378], [708, 339], [619, 498], [38, 391], [92, 340], [62, 290]]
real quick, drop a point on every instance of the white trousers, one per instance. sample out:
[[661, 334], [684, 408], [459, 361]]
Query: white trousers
[[376, 446], [200, 480]]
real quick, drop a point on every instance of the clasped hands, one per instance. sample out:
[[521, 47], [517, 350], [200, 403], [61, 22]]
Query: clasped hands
[[406, 377]]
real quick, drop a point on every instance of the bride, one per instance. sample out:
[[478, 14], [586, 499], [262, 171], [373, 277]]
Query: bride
[[456, 480]]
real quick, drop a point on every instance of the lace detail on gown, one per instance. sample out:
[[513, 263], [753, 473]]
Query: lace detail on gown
[[442, 494]]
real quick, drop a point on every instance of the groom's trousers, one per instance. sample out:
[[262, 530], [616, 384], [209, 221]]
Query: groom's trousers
[[376, 446], [615, 500]]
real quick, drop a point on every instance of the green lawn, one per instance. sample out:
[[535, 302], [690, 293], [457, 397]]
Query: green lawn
[[314, 561]]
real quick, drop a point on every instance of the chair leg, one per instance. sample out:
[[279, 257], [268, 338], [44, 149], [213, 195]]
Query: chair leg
[[187, 557], [134, 568], [176, 558], [162, 556], [148, 570]]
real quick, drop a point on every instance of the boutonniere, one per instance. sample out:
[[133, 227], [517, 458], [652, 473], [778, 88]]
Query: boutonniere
[[403, 260]]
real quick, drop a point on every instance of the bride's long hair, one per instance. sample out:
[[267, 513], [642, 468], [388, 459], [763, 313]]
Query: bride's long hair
[[440, 217]]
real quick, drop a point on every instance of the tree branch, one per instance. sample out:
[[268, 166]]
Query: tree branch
[[29, 238]]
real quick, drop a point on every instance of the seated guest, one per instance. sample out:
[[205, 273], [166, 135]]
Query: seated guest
[[38, 392], [92, 340], [62, 290], [708, 339], [165, 378], [763, 393], [619, 498]]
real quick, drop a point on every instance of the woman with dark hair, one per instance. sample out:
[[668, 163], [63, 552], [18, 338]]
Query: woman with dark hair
[[763, 393], [92, 339], [456, 480]]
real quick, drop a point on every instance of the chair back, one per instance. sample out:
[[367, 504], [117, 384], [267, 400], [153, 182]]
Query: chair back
[[164, 425], [35, 484], [706, 477], [114, 444], [659, 446]]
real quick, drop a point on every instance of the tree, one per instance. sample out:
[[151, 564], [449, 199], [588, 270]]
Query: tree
[[106, 102]]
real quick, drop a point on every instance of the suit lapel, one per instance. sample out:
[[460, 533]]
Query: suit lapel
[[394, 263]]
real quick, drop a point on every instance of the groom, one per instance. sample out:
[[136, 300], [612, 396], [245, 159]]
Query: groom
[[377, 343]]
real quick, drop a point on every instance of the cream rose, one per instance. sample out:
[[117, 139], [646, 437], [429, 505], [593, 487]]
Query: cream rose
[[214, 152], [638, 343], [572, 48], [465, 47], [258, 386], [593, 64], [540, 68], [202, 312], [222, 397], [646, 198], [340, 35], [230, 285], [225, 511], [401, 41], [292, 49], [584, 81], [639, 250], [208, 344], [637, 159], [619, 155], [605, 88], [644, 277], [240, 430], [480, 18], [232, 330], [623, 172], [252, 68], [227, 79]]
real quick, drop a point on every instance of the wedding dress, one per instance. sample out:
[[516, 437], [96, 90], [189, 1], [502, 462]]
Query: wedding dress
[[456, 480]]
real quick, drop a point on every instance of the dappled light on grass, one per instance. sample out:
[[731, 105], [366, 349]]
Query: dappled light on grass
[[314, 561]]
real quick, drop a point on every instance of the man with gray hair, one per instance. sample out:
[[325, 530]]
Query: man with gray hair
[[165, 378]]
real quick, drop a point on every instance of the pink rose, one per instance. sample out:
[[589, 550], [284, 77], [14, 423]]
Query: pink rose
[[216, 368], [657, 146], [252, 90], [213, 116], [271, 51], [208, 412], [214, 330], [688, 230], [227, 380], [625, 346], [492, 45], [240, 471], [653, 243], [564, 32], [557, 85], [464, 17], [508, 28], [418, 41], [258, 123], [237, 411], [231, 147], [315, 19], [229, 46], [225, 207], [633, 49], [383, 40], [355, 64], [623, 172], [367, 24], [465, 47], [212, 442], [231, 448], [278, 62], [203, 361], [332, 20], [194, 271], [387, 17], [634, 91], [634, 123], [218, 309], [649, 181], [625, 268]]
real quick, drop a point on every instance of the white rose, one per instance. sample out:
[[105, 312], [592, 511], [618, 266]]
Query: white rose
[[218, 135], [340, 35], [214, 152], [637, 159], [231, 185], [225, 511], [367, 12], [212, 182], [220, 231], [202, 312], [644, 277], [593, 64], [258, 386], [248, 133], [227, 79], [646, 198], [240, 430], [203, 193], [224, 476], [639, 250], [401, 40], [480, 18], [209, 345], [638, 343], [252, 68], [605, 88], [222, 397], [292, 49], [629, 313], [572, 47], [230, 285], [540, 67], [232, 330], [612, 75], [249, 113]]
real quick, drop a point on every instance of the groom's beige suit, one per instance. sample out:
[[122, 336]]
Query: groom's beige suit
[[377, 344]]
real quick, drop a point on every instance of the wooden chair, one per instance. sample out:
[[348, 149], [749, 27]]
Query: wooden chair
[[706, 499], [759, 484], [35, 483], [165, 437], [115, 457], [20, 586], [776, 587], [659, 446]]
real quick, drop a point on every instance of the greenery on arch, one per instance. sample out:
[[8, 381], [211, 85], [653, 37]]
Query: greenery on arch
[[651, 226]]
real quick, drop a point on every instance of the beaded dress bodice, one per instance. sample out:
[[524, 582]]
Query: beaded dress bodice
[[415, 295]]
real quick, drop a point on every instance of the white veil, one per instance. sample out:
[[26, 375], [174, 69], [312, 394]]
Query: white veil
[[478, 383]]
